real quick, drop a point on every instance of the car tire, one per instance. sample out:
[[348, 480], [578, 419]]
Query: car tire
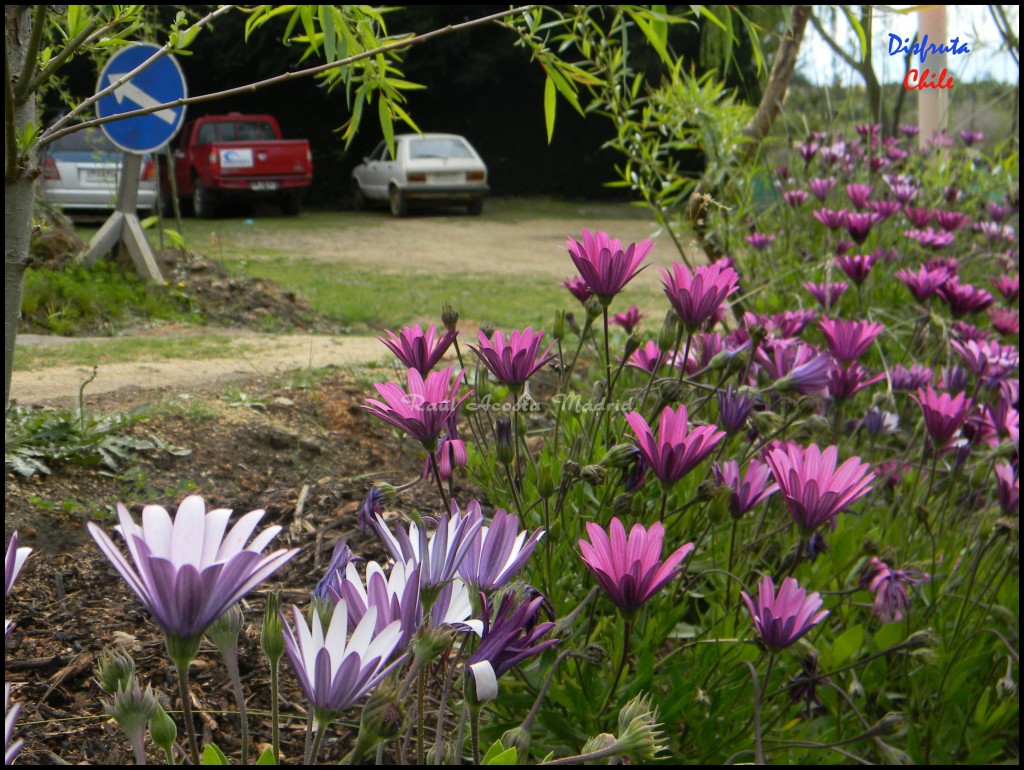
[[291, 204], [204, 201], [399, 205], [166, 204], [475, 207], [358, 197]]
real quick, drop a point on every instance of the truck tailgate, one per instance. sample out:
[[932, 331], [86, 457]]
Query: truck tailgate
[[283, 158]]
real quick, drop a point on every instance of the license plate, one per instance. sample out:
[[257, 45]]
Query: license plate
[[446, 176], [263, 186], [100, 176]]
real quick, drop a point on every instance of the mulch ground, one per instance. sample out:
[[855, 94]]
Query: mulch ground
[[307, 456]]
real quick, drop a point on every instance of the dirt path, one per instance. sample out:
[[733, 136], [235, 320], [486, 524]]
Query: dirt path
[[428, 243], [274, 354]]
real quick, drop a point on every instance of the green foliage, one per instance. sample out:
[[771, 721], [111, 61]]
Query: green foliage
[[36, 438], [97, 298]]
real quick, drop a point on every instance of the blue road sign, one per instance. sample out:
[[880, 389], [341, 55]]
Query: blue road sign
[[160, 83]]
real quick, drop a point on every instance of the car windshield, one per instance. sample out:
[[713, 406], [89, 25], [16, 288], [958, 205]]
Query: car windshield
[[438, 148], [84, 146]]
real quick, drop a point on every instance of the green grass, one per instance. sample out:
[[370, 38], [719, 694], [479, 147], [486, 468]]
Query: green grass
[[94, 299], [123, 349]]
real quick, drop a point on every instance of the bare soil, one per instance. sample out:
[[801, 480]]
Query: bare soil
[[306, 455]]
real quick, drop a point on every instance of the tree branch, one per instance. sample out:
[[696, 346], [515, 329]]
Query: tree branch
[[69, 50], [834, 45], [56, 131], [32, 54], [10, 140]]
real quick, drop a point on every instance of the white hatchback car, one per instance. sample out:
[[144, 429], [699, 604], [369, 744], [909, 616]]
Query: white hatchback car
[[443, 168]]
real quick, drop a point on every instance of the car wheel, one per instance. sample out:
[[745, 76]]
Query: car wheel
[[204, 202], [475, 207], [358, 198], [399, 205], [291, 204], [166, 203]]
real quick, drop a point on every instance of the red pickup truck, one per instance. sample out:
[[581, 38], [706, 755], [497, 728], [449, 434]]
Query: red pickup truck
[[236, 155]]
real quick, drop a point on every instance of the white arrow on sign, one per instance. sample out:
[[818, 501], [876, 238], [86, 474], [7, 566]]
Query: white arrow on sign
[[135, 94]]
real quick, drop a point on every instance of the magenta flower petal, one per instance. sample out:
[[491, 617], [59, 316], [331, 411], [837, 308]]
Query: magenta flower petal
[[629, 569], [781, 619]]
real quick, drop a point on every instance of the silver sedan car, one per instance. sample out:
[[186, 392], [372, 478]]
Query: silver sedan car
[[81, 173], [439, 168]]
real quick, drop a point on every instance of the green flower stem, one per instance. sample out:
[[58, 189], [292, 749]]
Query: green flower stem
[[186, 710], [437, 478], [576, 355], [474, 730], [275, 709], [322, 723], [627, 639], [230, 655], [421, 737]]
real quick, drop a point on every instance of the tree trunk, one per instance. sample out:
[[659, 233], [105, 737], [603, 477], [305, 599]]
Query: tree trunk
[[767, 110], [19, 187], [778, 80]]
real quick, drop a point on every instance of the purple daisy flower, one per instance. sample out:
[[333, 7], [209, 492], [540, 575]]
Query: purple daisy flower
[[781, 619], [963, 298], [856, 266], [577, 286], [497, 551], [859, 194], [820, 188], [815, 490], [748, 491], [604, 264], [677, 450], [827, 294], [943, 414], [511, 636], [417, 349], [515, 360], [833, 220], [889, 587], [335, 671], [422, 411], [186, 571], [696, 297], [630, 570], [904, 379], [628, 320], [849, 340], [924, 283]]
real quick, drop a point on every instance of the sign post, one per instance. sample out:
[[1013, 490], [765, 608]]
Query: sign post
[[160, 83]]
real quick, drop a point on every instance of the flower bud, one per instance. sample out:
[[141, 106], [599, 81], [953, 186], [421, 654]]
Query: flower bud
[[639, 730], [115, 670], [558, 328], [505, 449], [382, 718], [758, 334], [272, 633], [449, 316], [921, 639], [622, 504], [633, 343], [766, 423], [599, 743], [545, 484], [518, 738], [162, 730], [593, 307], [571, 469], [671, 392], [620, 456], [487, 328], [892, 723], [593, 475], [132, 707], [669, 332], [225, 630]]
